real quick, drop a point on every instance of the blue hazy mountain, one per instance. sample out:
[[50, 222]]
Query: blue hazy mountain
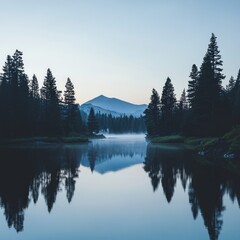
[[114, 153], [113, 106]]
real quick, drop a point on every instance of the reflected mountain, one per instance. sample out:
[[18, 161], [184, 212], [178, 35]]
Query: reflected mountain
[[206, 185], [110, 156], [30, 171]]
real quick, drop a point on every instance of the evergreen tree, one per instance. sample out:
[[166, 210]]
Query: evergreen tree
[[180, 115], [168, 99], [19, 96], [69, 100], [204, 99], [49, 90], [92, 123], [34, 106], [236, 101], [73, 119], [238, 79], [192, 84], [206, 108], [152, 115], [6, 108], [231, 84], [51, 113], [168, 104], [17, 71], [216, 62], [34, 88], [183, 104], [69, 94]]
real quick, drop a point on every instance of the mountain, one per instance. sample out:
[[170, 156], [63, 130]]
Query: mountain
[[111, 155], [114, 164], [113, 106]]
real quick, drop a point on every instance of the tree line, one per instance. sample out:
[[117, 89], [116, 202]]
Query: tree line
[[27, 110], [122, 124], [205, 109]]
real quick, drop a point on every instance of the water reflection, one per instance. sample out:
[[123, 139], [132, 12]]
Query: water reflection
[[27, 171], [30, 171], [206, 185], [113, 155]]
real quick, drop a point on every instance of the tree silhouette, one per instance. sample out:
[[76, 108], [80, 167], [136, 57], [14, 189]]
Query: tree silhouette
[[192, 84], [152, 114], [51, 111], [92, 122], [168, 103]]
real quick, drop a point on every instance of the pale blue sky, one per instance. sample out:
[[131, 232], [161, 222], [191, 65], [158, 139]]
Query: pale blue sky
[[119, 48]]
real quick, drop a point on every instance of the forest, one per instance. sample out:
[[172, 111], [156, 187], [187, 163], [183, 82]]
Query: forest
[[205, 109], [29, 111], [122, 124]]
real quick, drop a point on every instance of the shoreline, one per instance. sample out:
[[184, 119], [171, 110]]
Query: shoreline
[[47, 140], [222, 148]]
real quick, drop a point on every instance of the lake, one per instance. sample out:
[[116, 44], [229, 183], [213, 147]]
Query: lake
[[115, 188]]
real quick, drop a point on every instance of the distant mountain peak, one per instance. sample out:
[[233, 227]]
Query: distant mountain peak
[[114, 106]]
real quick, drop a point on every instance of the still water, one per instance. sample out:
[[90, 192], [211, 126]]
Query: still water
[[115, 188]]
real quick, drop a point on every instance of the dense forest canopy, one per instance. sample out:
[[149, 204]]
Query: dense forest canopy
[[27, 110], [207, 109]]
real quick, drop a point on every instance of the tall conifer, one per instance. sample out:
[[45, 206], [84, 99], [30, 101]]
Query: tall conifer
[[152, 115], [192, 84], [168, 104]]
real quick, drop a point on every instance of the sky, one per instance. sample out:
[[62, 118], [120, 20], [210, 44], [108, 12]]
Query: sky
[[119, 49]]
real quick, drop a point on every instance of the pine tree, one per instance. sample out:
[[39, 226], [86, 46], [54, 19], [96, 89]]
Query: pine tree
[[49, 90], [69, 94], [168, 104], [238, 79], [180, 114], [34, 106], [92, 122], [203, 106], [216, 62], [51, 113], [206, 107], [183, 104], [236, 100], [34, 88], [6, 108], [168, 99], [17, 71], [73, 119], [231, 84], [19, 96], [152, 115], [192, 84]]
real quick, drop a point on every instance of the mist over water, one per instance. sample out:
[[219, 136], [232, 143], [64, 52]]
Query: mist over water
[[129, 137], [120, 187]]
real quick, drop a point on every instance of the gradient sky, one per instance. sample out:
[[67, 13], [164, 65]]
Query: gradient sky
[[119, 48]]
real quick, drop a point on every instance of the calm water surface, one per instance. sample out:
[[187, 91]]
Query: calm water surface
[[115, 188]]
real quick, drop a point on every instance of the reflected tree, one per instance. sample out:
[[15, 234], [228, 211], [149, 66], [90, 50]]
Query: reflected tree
[[92, 157], [35, 170], [206, 185]]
